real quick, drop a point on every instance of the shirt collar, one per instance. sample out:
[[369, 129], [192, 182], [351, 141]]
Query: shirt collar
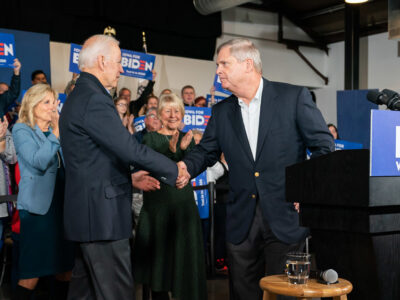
[[257, 97]]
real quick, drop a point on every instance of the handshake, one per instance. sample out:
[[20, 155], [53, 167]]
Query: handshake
[[143, 181]]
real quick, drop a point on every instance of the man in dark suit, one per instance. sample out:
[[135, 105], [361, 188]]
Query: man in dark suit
[[261, 129], [98, 151]]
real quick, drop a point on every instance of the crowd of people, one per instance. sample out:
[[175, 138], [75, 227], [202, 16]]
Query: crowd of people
[[80, 171]]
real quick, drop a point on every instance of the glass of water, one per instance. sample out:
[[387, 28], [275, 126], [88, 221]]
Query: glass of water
[[298, 267]]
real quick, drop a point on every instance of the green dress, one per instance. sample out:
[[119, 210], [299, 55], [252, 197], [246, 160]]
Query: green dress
[[168, 249]]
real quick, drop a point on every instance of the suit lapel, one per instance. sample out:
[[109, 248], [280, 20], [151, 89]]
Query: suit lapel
[[267, 111], [238, 127]]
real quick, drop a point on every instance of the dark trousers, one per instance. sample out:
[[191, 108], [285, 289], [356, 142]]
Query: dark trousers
[[102, 271], [259, 255]]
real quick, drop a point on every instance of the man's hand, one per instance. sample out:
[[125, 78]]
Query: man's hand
[[297, 206], [142, 181], [17, 66], [183, 175]]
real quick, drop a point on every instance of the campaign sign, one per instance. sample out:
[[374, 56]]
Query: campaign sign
[[196, 118], [346, 145], [74, 58], [138, 123], [216, 98], [137, 64], [201, 196], [218, 86], [62, 98], [385, 143], [7, 50]]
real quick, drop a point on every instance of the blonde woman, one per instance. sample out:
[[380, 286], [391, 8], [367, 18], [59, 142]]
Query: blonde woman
[[43, 250], [168, 252]]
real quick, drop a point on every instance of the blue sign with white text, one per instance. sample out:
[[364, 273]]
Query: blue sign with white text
[[196, 118], [201, 196], [216, 98], [137, 64], [345, 145], [218, 86], [74, 58], [139, 124], [7, 50], [385, 143]]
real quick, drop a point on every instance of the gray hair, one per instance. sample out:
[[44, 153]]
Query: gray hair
[[150, 110], [99, 46], [243, 49]]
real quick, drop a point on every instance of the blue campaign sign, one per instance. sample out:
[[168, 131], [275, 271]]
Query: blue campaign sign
[[201, 196], [218, 86], [196, 118], [74, 58], [62, 98], [7, 50], [137, 64], [138, 123], [216, 98], [385, 143], [346, 145]]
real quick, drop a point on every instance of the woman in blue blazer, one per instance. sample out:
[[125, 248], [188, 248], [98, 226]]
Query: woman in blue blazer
[[43, 250]]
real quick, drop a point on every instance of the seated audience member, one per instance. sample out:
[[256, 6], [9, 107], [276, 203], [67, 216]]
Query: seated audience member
[[136, 105], [188, 95], [10, 93], [71, 84], [38, 76], [122, 108], [200, 102], [151, 102], [165, 92], [7, 156], [168, 252], [151, 122], [43, 250], [332, 128]]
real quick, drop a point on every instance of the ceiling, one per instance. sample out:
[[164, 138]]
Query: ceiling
[[324, 20]]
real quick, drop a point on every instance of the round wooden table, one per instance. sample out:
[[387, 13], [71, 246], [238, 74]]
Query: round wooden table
[[279, 285]]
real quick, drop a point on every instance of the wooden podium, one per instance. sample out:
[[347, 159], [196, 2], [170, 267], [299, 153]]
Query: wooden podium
[[354, 220]]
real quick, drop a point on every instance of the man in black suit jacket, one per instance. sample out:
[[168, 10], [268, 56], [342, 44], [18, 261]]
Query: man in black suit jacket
[[98, 151], [261, 129]]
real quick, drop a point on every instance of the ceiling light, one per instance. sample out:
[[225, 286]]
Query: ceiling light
[[355, 1]]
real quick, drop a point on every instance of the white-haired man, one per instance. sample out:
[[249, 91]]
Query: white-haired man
[[261, 129], [98, 151]]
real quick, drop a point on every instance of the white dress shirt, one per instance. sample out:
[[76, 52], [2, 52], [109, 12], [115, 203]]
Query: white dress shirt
[[251, 117]]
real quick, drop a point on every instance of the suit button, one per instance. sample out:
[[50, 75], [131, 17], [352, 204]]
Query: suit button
[[256, 174], [253, 196]]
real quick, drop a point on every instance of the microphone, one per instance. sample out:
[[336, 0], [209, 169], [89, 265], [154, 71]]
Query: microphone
[[328, 276], [387, 97]]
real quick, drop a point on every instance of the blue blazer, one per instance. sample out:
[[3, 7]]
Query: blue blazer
[[38, 165], [290, 122]]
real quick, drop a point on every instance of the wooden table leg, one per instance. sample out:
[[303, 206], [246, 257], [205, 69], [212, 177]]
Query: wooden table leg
[[342, 297], [269, 296]]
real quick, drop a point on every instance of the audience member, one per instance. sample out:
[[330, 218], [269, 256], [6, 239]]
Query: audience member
[[12, 92], [165, 92], [3, 87], [98, 152], [38, 76], [121, 105], [43, 250], [200, 102], [71, 84], [125, 93], [151, 102], [136, 105], [151, 122], [168, 254], [188, 95], [333, 130]]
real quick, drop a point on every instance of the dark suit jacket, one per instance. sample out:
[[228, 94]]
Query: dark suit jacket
[[98, 151], [289, 123]]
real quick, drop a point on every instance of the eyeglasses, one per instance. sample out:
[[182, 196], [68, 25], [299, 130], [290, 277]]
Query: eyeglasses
[[152, 117], [122, 104]]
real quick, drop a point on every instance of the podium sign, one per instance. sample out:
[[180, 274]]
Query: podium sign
[[385, 143]]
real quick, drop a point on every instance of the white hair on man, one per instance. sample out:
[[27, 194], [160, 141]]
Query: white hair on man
[[243, 49], [98, 44]]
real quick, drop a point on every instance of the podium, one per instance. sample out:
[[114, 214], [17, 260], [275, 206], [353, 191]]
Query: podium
[[354, 220]]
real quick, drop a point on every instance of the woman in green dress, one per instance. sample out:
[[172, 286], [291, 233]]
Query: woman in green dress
[[168, 250]]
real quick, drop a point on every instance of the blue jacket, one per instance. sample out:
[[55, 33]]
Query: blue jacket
[[38, 165]]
